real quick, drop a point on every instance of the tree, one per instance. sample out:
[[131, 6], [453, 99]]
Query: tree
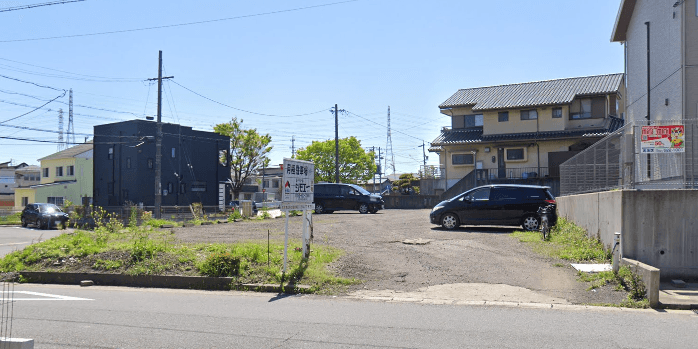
[[248, 152], [404, 184], [354, 162]]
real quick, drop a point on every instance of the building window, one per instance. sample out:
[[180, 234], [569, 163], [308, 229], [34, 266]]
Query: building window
[[110, 155], [128, 162], [25, 200], [266, 184], [503, 116], [173, 152], [150, 163], [467, 121], [530, 114], [56, 200], [515, 154], [275, 184], [182, 188], [588, 108], [70, 170], [170, 188], [198, 186], [45, 172], [59, 171], [557, 113], [463, 159]]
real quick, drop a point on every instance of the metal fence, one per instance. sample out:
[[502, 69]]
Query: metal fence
[[617, 162]]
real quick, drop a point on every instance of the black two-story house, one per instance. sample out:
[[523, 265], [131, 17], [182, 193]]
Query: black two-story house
[[195, 165]]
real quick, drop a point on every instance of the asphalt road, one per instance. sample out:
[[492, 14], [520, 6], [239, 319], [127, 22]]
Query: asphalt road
[[110, 317], [13, 238]]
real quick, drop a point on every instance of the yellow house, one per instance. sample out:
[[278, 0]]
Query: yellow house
[[521, 133], [66, 175]]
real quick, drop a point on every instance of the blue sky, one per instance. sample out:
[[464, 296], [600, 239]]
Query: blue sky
[[284, 59]]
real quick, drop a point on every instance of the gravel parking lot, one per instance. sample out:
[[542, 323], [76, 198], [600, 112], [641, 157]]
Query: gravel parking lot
[[400, 252]]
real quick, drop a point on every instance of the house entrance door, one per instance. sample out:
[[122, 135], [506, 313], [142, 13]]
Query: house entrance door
[[501, 165]]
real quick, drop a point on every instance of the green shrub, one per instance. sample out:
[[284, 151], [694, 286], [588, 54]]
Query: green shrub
[[220, 264], [234, 215]]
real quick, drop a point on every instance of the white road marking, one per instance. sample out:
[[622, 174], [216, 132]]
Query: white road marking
[[16, 243], [47, 297]]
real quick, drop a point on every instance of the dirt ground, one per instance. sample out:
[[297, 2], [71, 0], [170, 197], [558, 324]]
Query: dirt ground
[[398, 252]]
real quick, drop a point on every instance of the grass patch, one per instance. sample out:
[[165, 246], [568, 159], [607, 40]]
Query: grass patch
[[157, 223], [567, 241], [148, 251], [12, 219], [570, 242]]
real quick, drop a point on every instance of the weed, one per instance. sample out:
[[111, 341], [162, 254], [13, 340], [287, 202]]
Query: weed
[[234, 215], [11, 219], [102, 264], [567, 241], [220, 264]]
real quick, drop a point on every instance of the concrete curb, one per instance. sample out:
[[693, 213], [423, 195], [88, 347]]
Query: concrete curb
[[158, 281]]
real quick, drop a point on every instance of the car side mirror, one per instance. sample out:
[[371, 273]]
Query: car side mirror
[[468, 198]]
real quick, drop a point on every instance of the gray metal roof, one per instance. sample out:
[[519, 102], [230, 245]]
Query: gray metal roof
[[530, 94], [461, 137]]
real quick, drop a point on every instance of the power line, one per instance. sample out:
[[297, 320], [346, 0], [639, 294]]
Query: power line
[[67, 72], [25, 7], [181, 24], [243, 110], [33, 110]]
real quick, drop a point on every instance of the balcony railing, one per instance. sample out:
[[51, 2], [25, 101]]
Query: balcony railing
[[513, 173]]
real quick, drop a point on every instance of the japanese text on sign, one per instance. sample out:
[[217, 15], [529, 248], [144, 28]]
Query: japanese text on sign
[[298, 180], [662, 139]]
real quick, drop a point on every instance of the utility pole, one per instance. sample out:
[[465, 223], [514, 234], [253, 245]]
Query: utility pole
[[380, 171], [336, 144], [424, 156], [373, 150], [158, 143]]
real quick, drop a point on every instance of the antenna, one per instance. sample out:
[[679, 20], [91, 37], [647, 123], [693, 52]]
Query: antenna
[[389, 155], [61, 144], [70, 139]]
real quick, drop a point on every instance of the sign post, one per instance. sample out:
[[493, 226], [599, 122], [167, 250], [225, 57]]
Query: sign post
[[297, 194]]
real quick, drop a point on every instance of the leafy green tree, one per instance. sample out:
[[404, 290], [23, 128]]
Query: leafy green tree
[[404, 184], [248, 152], [354, 162]]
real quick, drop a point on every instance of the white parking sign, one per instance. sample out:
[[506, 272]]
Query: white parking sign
[[298, 178]]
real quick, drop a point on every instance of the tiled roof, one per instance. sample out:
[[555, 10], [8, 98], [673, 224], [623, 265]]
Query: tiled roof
[[70, 152], [540, 93], [450, 137]]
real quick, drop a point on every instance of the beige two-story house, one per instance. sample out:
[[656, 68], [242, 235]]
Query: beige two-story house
[[521, 133]]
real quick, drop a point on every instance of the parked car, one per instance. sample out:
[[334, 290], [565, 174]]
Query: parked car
[[44, 216], [235, 204], [330, 197], [499, 204]]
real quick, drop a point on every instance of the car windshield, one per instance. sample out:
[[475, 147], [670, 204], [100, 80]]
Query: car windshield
[[49, 208], [359, 189]]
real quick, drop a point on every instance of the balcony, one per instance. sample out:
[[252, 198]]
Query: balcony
[[523, 173]]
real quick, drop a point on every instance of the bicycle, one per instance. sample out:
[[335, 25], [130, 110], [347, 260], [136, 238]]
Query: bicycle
[[544, 212]]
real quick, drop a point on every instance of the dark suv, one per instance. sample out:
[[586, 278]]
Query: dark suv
[[502, 204], [44, 216], [330, 197]]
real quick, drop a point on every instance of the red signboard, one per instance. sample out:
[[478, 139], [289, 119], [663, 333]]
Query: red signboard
[[662, 139]]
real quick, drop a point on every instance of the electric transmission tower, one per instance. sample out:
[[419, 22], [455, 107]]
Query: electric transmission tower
[[70, 137], [61, 144], [389, 155]]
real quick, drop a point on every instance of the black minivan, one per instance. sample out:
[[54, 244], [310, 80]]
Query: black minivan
[[499, 204], [330, 197]]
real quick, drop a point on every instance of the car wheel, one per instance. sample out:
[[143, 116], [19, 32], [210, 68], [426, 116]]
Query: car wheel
[[530, 223], [38, 223], [450, 221], [24, 222], [363, 208], [373, 210], [319, 208]]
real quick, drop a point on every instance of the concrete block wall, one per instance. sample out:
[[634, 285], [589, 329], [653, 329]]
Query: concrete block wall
[[658, 227]]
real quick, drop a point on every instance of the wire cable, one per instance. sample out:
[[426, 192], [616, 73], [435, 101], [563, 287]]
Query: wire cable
[[33, 110], [181, 24], [242, 110]]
